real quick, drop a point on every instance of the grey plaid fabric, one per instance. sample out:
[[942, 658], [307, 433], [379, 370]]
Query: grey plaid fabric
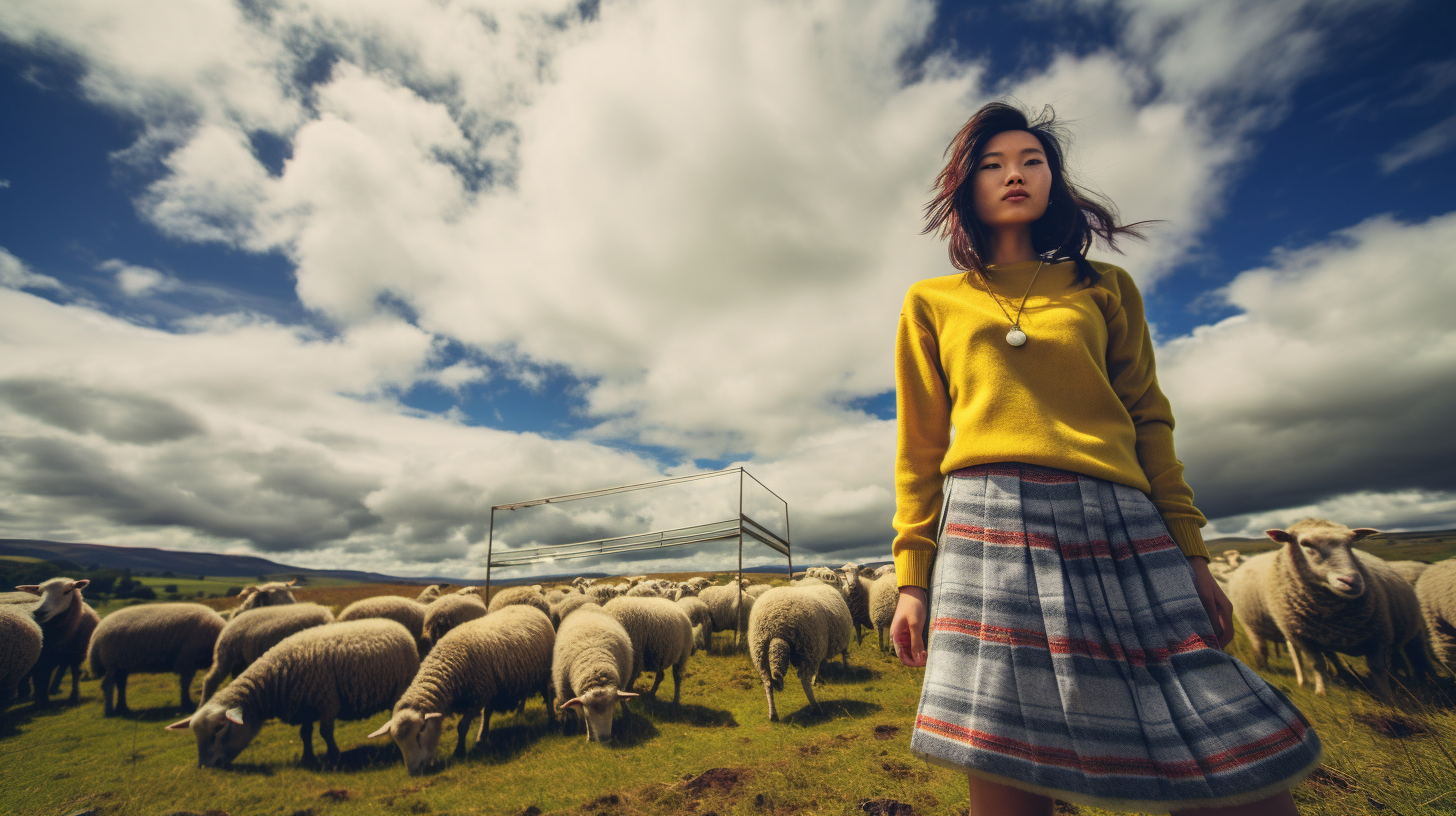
[[1069, 654]]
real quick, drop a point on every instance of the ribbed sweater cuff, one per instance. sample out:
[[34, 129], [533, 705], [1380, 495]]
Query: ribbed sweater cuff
[[912, 568], [1188, 537]]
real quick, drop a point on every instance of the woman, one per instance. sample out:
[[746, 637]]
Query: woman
[[1076, 635]]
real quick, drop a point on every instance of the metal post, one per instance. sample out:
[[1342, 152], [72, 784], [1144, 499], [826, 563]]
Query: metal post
[[789, 539], [489, 541], [742, 624]]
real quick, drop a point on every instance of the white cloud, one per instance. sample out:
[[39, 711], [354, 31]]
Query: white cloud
[[1433, 141], [136, 281], [16, 275]]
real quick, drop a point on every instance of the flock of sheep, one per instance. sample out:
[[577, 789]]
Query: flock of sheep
[[583, 646]]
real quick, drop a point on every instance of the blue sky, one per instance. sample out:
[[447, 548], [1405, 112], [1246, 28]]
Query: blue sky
[[325, 283]]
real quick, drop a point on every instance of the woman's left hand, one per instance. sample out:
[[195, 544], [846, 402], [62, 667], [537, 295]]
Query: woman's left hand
[[1215, 603]]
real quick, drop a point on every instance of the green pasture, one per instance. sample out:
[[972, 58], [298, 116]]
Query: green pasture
[[1380, 758]]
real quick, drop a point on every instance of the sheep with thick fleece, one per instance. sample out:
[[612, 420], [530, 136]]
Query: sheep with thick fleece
[[341, 671], [250, 634], [700, 616], [493, 663], [728, 613], [1436, 592], [590, 665], [430, 594], [524, 595], [407, 612], [567, 605], [68, 623], [601, 593], [1409, 570], [856, 589], [273, 593], [662, 638], [161, 638], [800, 626], [449, 612], [1316, 595], [20, 645], [884, 594]]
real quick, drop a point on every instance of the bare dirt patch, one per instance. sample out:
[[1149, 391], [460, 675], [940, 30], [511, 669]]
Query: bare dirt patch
[[1323, 777], [1394, 726], [885, 807], [721, 780], [886, 732]]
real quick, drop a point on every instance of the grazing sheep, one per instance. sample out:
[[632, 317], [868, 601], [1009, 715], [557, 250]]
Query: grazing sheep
[[527, 596], [601, 593], [430, 594], [275, 593], [728, 613], [68, 623], [756, 590], [1318, 596], [162, 638], [824, 574], [1436, 591], [20, 645], [555, 596], [1409, 570], [884, 594], [662, 638], [344, 671], [567, 605], [887, 569], [645, 589], [590, 664], [494, 663], [448, 613], [701, 618], [800, 626], [406, 612], [582, 583], [856, 589], [250, 634], [18, 598]]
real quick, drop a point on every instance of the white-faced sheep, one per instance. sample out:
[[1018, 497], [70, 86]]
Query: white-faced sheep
[[1436, 591], [250, 634], [342, 671], [430, 594], [884, 595], [1409, 570], [886, 569], [701, 617], [448, 613], [824, 574], [644, 589], [590, 665], [567, 605], [406, 612], [493, 663], [1316, 595], [524, 595], [662, 639], [20, 645], [800, 626], [68, 623], [856, 589], [162, 638], [730, 608], [601, 593], [273, 593]]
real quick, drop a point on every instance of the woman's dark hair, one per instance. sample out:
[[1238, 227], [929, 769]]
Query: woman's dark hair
[[1072, 216]]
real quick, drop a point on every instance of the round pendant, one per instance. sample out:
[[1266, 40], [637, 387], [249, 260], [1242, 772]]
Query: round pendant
[[1016, 336]]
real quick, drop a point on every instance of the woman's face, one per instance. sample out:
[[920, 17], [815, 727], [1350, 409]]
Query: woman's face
[[1012, 180]]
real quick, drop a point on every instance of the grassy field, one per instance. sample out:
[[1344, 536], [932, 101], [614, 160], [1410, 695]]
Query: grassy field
[[714, 754]]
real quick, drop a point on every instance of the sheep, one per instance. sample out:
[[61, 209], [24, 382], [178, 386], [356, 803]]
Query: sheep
[[157, 638], [824, 574], [408, 613], [1409, 570], [590, 663], [529, 596], [17, 599], [582, 583], [887, 569], [1318, 596], [567, 605], [701, 618], [728, 612], [430, 594], [756, 590], [644, 589], [884, 594], [601, 593], [275, 593], [250, 634], [490, 664], [555, 596], [856, 589], [1436, 591], [68, 623], [344, 671], [448, 613], [662, 638], [801, 626], [20, 646]]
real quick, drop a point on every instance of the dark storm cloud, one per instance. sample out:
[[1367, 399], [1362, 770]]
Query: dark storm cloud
[[115, 415]]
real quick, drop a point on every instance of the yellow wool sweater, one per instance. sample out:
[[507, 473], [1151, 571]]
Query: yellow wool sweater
[[1081, 395]]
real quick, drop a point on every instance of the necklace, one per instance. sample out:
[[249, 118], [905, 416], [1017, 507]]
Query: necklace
[[1016, 336]]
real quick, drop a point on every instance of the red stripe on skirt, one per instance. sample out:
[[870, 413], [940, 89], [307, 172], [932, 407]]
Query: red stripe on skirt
[[1043, 541], [1086, 648]]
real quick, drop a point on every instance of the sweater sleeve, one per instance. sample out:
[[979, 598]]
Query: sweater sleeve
[[1131, 369], [922, 407]]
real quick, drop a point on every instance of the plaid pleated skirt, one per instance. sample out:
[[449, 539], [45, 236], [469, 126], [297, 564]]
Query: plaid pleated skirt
[[1069, 655]]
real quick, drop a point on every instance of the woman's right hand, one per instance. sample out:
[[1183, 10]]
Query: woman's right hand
[[907, 625]]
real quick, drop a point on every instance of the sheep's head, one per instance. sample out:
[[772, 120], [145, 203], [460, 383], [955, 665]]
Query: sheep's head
[[1323, 550], [275, 593], [221, 733], [596, 707], [416, 734], [56, 596]]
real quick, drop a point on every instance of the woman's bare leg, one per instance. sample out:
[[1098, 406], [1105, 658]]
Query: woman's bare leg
[[994, 799], [1280, 804]]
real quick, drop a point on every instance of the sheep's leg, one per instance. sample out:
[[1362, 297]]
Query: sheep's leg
[[305, 733], [880, 630], [186, 684], [1257, 644], [484, 725], [546, 695], [121, 706], [57, 677], [41, 679], [462, 729], [773, 712], [1296, 657], [326, 730], [213, 679], [1379, 661], [677, 675], [108, 684], [1318, 667], [846, 660], [806, 679], [75, 683], [661, 673]]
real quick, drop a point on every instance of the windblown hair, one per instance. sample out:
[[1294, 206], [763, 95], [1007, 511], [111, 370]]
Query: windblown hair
[[1063, 233]]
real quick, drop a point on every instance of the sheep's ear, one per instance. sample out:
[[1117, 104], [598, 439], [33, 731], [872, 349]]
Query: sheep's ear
[[1280, 536], [433, 715], [574, 702], [81, 584], [234, 715], [33, 589], [623, 695], [180, 725], [291, 583], [1364, 532], [382, 730]]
